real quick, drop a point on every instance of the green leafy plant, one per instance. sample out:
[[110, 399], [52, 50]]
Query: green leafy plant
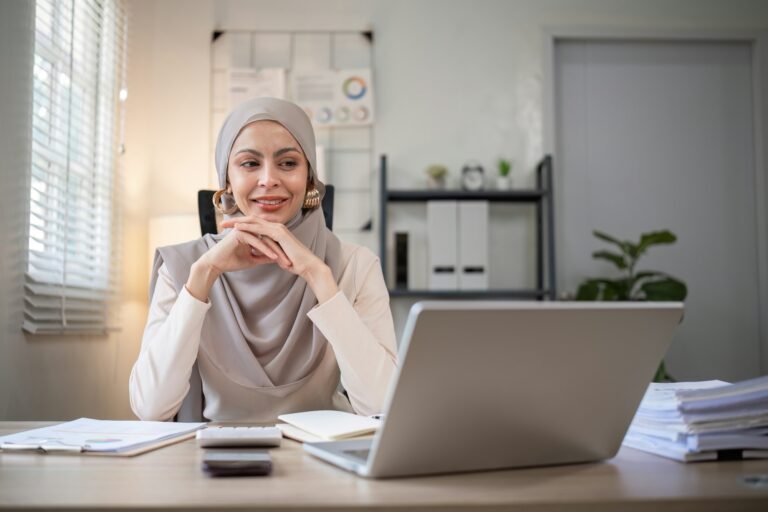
[[505, 166], [633, 285], [645, 285]]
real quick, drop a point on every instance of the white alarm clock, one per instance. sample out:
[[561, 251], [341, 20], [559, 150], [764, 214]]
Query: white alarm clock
[[472, 176]]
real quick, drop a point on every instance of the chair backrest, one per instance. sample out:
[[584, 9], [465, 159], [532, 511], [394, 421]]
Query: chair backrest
[[207, 212], [194, 403]]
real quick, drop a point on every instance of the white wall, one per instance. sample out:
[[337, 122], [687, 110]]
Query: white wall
[[455, 80]]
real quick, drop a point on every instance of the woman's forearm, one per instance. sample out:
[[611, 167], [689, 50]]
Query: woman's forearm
[[321, 282], [362, 334], [364, 350], [160, 377], [201, 279]]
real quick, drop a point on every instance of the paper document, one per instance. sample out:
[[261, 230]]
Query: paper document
[[663, 396], [99, 436], [707, 420], [247, 83]]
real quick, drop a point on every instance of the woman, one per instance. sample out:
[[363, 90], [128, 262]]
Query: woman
[[275, 310]]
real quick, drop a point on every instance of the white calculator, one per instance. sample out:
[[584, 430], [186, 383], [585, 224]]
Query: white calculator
[[239, 436]]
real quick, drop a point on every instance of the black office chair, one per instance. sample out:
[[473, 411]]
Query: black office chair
[[194, 403], [207, 212]]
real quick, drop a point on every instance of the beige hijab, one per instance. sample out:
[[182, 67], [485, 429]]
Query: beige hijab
[[257, 331]]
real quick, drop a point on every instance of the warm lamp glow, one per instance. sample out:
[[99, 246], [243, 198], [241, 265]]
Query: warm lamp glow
[[171, 229]]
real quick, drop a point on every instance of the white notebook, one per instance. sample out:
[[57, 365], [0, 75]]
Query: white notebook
[[326, 425]]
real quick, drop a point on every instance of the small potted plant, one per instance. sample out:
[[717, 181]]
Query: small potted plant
[[503, 181], [436, 175]]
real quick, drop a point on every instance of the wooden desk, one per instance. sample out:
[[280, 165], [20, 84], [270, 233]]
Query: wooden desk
[[170, 478]]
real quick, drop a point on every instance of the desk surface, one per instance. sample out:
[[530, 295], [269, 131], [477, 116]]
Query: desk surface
[[170, 478]]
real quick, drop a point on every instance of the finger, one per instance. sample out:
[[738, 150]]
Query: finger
[[275, 230], [228, 223], [250, 219], [234, 220], [250, 227], [282, 258], [259, 259], [258, 232], [258, 244]]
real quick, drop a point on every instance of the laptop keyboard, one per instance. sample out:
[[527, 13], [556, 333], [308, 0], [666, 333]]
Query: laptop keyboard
[[358, 454]]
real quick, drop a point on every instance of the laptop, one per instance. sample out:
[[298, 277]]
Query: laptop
[[487, 385]]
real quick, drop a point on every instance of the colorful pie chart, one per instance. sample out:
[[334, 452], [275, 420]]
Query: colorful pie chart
[[354, 87]]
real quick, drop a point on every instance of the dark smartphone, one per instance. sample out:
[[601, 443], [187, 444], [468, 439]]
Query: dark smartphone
[[237, 463]]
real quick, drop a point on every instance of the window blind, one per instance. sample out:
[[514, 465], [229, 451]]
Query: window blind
[[78, 90]]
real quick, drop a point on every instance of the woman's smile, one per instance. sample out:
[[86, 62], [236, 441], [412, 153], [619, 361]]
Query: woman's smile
[[270, 203]]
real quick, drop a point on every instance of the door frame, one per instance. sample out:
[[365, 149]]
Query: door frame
[[758, 41]]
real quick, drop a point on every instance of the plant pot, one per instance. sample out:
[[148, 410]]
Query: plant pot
[[503, 183], [436, 182]]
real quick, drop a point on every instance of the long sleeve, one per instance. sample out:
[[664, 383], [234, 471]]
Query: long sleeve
[[160, 377], [362, 335]]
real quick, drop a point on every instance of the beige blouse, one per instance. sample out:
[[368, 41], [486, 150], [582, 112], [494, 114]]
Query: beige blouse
[[362, 353]]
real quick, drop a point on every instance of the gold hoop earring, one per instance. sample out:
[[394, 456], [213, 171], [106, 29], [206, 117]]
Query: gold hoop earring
[[312, 199], [217, 201]]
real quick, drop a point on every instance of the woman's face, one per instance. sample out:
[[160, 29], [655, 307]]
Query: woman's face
[[268, 172]]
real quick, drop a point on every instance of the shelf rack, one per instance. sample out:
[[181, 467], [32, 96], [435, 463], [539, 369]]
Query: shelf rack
[[542, 199]]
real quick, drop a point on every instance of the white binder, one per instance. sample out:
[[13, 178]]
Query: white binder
[[473, 245], [442, 230]]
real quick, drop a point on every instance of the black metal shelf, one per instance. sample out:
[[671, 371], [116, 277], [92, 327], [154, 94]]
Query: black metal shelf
[[540, 197], [521, 196], [486, 294]]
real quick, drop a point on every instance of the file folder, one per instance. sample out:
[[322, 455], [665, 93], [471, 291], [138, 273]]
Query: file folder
[[442, 245], [473, 245]]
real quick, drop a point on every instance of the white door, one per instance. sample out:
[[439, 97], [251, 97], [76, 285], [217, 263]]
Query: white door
[[659, 135]]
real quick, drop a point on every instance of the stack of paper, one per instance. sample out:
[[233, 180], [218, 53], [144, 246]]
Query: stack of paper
[[707, 420], [314, 426]]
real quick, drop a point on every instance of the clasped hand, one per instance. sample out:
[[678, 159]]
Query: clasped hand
[[254, 241]]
